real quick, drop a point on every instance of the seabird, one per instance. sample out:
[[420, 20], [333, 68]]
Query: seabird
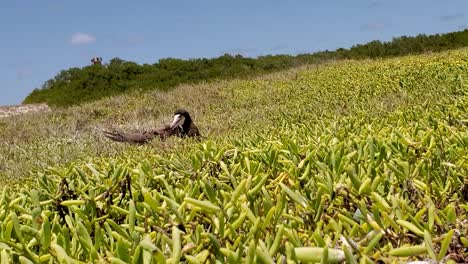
[[181, 126]]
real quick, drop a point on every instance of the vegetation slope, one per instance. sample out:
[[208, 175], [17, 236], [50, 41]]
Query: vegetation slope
[[355, 160], [78, 85]]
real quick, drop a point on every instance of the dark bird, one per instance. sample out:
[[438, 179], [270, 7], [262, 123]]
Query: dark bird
[[181, 126]]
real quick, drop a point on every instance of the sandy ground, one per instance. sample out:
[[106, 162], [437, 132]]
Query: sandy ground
[[6, 111]]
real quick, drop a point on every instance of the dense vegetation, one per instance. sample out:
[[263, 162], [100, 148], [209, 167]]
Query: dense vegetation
[[78, 85], [358, 161]]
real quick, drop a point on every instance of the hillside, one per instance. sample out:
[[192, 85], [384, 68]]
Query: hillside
[[78, 85], [358, 160]]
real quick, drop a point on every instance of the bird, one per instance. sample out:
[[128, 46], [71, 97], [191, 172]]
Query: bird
[[182, 126]]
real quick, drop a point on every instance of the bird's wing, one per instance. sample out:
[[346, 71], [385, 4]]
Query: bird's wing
[[194, 132], [135, 138], [164, 132]]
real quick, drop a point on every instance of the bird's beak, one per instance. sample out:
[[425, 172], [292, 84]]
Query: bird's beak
[[178, 121]]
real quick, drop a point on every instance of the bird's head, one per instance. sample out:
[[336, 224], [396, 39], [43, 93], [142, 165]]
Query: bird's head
[[181, 116]]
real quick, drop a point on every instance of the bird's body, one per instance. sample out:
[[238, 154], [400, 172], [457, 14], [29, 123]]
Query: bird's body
[[181, 126], [138, 138]]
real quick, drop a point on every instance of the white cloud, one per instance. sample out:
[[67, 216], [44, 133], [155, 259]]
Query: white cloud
[[80, 38]]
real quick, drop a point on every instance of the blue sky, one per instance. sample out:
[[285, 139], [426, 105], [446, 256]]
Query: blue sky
[[40, 38]]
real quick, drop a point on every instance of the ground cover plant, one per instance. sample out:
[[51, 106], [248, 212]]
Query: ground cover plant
[[356, 161]]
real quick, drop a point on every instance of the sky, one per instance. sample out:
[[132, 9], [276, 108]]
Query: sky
[[38, 39]]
